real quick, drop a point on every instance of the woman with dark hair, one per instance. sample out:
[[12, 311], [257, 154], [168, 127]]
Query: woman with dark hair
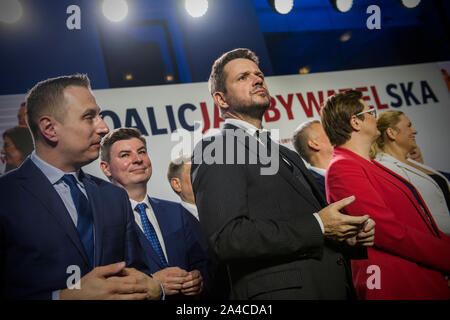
[[17, 145], [392, 148], [410, 258]]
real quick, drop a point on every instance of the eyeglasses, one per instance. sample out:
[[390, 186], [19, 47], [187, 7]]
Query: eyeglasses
[[372, 112]]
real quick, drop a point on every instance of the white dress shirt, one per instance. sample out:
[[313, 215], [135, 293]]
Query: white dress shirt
[[152, 218], [428, 188]]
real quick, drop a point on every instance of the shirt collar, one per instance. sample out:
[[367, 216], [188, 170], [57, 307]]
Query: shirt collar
[[52, 173], [320, 171], [134, 203], [192, 208], [248, 127]]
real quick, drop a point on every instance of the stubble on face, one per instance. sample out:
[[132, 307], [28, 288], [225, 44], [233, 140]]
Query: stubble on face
[[247, 93]]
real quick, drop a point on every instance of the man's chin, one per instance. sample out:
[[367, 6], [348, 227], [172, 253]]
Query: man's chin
[[255, 111]]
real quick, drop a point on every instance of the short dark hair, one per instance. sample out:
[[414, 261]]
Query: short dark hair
[[21, 138], [337, 112], [47, 98], [301, 137], [217, 77], [118, 135]]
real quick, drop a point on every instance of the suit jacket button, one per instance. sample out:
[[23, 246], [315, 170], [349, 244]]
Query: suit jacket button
[[340, 261]]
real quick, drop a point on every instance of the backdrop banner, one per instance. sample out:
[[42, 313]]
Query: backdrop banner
[[174, 117]]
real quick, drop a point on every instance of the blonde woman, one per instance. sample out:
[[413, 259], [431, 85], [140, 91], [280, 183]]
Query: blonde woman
[[391, 149]]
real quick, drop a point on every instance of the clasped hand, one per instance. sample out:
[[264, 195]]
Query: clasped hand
[[358, 230], [176, 280]]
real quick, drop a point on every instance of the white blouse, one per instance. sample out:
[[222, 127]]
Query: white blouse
[[428, 188]]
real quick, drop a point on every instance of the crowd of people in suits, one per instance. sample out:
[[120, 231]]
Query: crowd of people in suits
[[311, 231]]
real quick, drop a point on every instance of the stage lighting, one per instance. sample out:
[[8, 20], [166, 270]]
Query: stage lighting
[[304, 70], [410, 3], [115, 10], [11, 11], [282, 6], [196, 8], [345, 36], [342, 5]]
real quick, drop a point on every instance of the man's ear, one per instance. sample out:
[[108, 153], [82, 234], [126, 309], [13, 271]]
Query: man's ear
[[391, 134], [105, 168], [47, 126], [220, 100], [313, 145], [175, 183]]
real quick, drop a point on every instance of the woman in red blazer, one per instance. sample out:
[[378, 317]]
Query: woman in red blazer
[[411, 256]]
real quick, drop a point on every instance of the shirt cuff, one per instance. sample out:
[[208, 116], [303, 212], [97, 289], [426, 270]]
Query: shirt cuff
[[163, 296], [320, 222]]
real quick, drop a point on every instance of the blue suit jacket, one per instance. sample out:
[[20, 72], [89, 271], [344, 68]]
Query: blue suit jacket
[[185, 245], [39, 241]]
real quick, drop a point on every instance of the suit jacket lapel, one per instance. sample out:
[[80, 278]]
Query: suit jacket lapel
[[285, 172], [297, 161], [95, 202], [36, 183]]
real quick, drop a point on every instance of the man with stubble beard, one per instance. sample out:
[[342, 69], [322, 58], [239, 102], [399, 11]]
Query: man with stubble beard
[[264, 217]]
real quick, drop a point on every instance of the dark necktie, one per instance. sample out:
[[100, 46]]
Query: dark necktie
[[264, 137], [150, 233], [85, 226]]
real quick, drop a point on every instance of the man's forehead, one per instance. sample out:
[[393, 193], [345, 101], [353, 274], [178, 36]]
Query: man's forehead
[[127, 145], [240, 65], [77, 94]]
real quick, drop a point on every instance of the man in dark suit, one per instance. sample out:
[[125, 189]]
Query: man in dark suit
[[58, 224], [179, 176], [173, 251], [313, 145], [263, 215]]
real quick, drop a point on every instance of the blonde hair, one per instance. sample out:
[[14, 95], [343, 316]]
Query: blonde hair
[[387, 119]]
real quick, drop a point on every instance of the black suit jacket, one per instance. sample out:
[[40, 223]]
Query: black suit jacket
[[262, 226]]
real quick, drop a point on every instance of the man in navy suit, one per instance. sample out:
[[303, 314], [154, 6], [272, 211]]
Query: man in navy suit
[[174, 253], [65, 234], [313, 145]]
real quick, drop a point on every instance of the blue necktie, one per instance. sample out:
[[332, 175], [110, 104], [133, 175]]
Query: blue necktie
[[85, 226], [150, 233]]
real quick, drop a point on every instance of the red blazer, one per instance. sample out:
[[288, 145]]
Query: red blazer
[[412, 259]]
